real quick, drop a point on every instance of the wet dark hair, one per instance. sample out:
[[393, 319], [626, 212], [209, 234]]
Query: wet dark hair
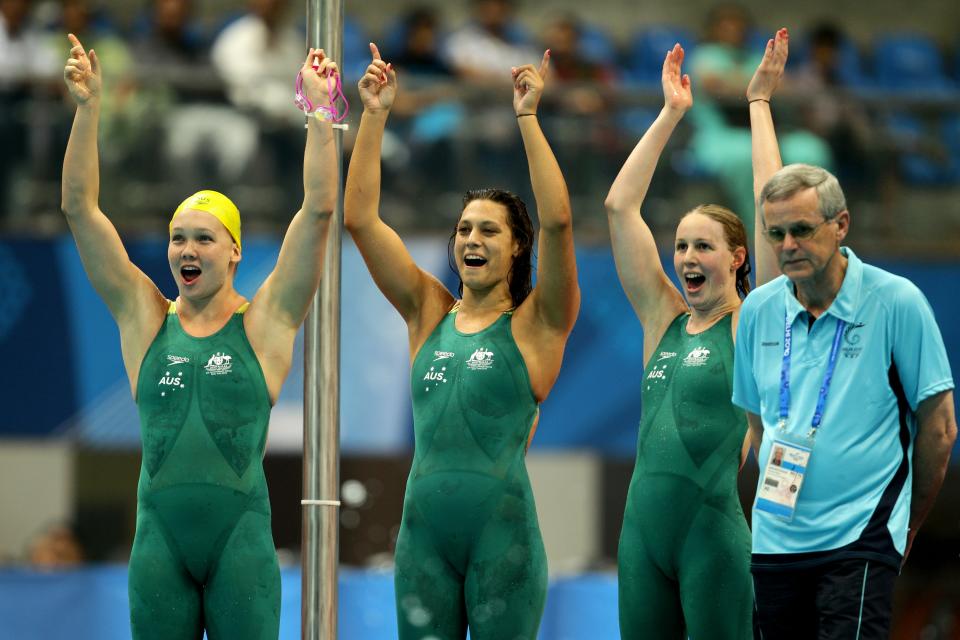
[[520, 278], [735, 234]]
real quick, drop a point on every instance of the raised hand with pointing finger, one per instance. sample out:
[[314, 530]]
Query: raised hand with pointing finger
[[378, 86], [82, 72], [528, 84]]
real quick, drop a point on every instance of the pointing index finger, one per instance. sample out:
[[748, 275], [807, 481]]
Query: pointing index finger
[[545, 63], [375, 52], [75, 44]]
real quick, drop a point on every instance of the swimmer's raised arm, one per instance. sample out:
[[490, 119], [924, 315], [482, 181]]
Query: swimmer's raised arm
[[766, 150], [556, 297], [654, 298], [417, 295], [133, 300], [285, 296]]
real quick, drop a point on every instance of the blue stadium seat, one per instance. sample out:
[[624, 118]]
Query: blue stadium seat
[[356, 50], [648, 47], [950, 132], [597, 44], [393, 37], [907, 62], [851, 69], [756, 40], [931, 155]]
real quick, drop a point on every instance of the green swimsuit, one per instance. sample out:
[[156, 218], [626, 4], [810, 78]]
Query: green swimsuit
[[684, 557], [469, 549], [203, 556]]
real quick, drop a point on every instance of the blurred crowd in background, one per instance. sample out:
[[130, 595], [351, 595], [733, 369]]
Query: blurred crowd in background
[[191, 102], [199, 98]]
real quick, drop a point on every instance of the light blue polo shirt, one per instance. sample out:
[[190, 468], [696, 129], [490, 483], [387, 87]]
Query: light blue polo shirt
[[855, 500]]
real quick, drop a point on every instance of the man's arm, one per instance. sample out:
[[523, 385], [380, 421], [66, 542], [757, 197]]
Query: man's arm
[[755, 434], [936, 433]]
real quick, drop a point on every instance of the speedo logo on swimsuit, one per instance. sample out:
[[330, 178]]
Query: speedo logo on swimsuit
[[442, 355], [219, 364], [480, 359], [172, 359], [697, 358], [666, 355]]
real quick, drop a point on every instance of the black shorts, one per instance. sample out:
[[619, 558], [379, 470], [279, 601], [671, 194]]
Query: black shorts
[[840, 600]]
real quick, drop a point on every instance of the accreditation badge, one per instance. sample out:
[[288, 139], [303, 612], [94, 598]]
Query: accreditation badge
[[783, 477]]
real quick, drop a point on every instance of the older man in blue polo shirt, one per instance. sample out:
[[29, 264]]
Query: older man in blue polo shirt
[[843, 373]]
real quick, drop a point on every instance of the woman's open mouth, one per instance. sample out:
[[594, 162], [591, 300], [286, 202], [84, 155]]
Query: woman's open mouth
[[189, 273], [473, 260], [693, 281]]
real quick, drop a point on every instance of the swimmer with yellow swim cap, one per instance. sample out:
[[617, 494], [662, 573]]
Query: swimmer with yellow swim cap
[[205, 370], [217, 204], [215, 222]]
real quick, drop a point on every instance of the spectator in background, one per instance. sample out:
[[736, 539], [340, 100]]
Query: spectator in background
[[24, 55], [420, 53], [253, 56], [173, 43], [429, 112], [420, 61], [27, 66], [56, 547], [579, 107], [123, 109], [723, 60], [483, 52], [202, 137], [570, 65], [863, 155], [720, 67], [489, 45]]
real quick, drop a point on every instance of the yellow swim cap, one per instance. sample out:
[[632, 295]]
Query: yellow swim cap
[[216, 204]]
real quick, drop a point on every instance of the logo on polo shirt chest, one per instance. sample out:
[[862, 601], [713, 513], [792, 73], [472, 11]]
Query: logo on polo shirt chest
[[852, 338]]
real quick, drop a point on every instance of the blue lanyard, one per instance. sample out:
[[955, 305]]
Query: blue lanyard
[[785, 375]]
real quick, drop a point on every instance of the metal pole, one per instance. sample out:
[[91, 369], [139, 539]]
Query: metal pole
[[321, 393]]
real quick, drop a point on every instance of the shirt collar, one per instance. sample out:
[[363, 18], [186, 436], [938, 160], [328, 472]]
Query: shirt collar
[[844, 306]]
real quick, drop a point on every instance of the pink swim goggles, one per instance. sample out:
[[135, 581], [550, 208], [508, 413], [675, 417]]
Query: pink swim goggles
[[334, 90]]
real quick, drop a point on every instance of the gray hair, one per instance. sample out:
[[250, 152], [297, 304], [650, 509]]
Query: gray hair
[[794, 178]]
